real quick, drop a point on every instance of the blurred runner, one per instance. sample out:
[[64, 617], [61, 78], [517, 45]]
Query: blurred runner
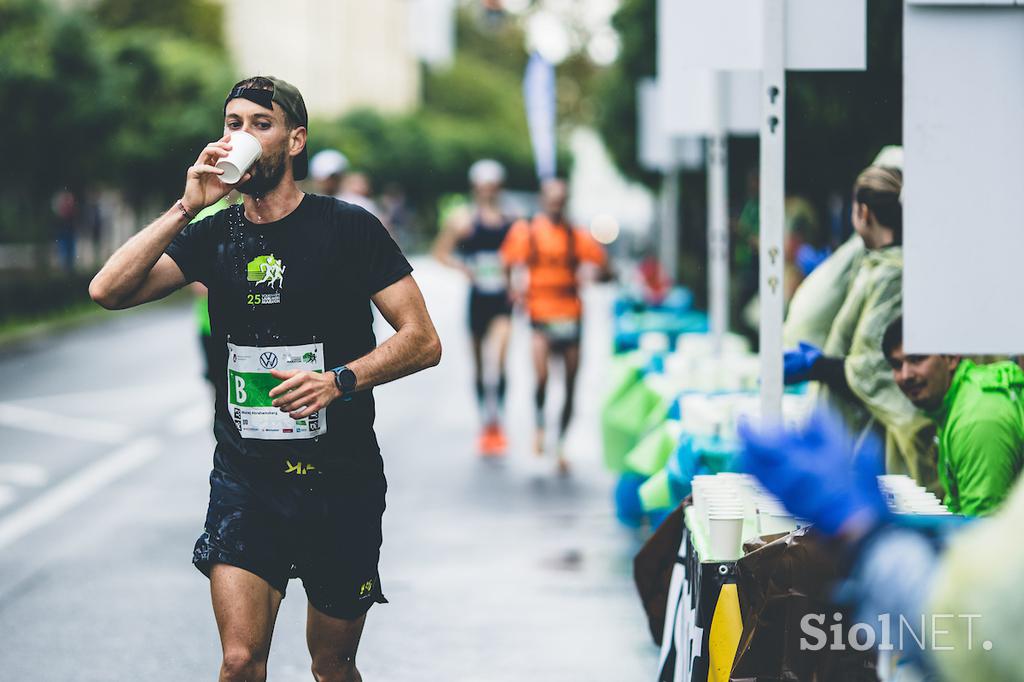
[[551, 251], [470, 242], [327, 169], [297, 488]]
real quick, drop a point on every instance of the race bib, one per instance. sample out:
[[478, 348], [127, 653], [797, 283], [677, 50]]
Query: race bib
[[562, 330], [488, 273], [250, 383]]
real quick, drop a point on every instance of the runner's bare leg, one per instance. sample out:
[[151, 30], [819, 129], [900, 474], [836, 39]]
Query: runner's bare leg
[[500, 331], [571, 354], [245, 607], [332, 644], [541, 353]]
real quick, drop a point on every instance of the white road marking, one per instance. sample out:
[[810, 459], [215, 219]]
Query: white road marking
[[42, 421], [7, 495], [192, 419], [23, 474], [77, 488]]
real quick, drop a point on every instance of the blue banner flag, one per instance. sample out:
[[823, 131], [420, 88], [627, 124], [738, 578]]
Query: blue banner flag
[[539, 94]]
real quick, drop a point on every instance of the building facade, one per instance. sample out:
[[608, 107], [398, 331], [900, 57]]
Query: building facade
[[341, 54]]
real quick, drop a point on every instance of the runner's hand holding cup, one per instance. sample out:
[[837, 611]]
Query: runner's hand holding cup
[[204, 181]]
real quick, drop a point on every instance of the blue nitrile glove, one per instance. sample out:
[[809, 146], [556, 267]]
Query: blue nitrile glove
[[811, 472], [797, 363], [808, 258]]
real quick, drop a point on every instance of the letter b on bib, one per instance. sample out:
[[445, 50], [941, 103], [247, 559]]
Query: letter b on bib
[[240, 394]]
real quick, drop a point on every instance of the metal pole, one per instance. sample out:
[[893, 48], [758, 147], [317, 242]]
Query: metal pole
[[718, 219], [772, 198], [668, 250]]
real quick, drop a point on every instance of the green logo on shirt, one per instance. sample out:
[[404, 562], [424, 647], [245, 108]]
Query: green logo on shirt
[[266, 270]]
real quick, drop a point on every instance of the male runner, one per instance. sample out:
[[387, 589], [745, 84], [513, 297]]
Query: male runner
[[552, 250], [297, 488], [470, 243]]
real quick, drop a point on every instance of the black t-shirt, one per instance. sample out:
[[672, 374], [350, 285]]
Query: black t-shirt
[[330, 257]]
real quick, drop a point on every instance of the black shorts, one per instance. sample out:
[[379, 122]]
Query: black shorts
[[282, 519], [484, 308]]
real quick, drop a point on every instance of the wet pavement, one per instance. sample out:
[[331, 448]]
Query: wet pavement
[[496, 570]]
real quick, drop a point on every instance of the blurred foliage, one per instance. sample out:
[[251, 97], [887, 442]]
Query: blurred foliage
[[196, 20], [471, 110], [91, 106], [125, 94], [29, 295], [168, 95], [616, 110], [837, 121]]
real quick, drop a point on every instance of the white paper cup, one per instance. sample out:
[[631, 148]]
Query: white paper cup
[[773, 524], [245, 149], [726, 531]]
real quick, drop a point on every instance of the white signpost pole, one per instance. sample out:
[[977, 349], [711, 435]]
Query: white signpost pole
[[718, 215], [772, 199], [668, 248]]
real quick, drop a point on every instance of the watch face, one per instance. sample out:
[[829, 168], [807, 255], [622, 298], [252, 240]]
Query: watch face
[[347, 379]]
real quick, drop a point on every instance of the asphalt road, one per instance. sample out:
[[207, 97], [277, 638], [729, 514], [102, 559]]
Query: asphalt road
[[495, 570]]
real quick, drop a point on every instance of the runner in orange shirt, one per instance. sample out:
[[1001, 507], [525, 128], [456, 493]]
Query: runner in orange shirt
[[552, 251]]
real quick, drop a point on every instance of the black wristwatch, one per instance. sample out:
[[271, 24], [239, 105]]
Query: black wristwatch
[[345, 380]]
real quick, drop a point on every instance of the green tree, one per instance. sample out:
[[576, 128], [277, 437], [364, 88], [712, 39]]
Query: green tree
[[58, 110], [198, 20], [168, 91]]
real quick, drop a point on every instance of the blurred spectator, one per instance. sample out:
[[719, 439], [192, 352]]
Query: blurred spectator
[[357, 189], [65, 211], [327, 169]]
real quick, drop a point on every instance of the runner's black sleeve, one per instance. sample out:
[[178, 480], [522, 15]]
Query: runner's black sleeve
[[381, 262], [192, 251]]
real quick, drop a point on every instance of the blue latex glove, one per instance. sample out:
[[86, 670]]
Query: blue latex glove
[[811, 472], [808, 258], [798, 363]]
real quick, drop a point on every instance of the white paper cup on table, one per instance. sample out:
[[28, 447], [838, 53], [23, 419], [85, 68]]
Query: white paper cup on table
[[773, 523], [245, 149], [726, 531]]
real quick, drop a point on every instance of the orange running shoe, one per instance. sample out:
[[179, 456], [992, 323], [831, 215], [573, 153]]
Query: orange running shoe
[[500, 441], [491, 442]]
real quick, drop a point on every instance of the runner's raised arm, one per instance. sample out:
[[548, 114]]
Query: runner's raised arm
[[139, 271]]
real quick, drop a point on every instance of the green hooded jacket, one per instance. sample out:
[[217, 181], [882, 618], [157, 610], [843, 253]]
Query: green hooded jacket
[[981, 436]]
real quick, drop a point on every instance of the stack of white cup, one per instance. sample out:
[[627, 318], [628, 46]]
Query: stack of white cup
[[719, 504], [772, 517], [905, 496]]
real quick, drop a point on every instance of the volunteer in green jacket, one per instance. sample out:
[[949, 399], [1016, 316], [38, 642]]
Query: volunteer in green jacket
[[980, 418]]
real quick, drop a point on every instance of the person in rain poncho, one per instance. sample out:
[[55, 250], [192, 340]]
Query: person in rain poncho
[[855, 378]]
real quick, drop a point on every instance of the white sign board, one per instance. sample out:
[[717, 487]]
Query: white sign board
[[964, 168], [821, 35], [656, 148], [691, 103]]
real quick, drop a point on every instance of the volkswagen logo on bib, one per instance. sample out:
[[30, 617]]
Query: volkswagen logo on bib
[[268, 360]]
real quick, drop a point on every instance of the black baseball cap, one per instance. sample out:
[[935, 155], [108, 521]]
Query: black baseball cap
[[289, 99]]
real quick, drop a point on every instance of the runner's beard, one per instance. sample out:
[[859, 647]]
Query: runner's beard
[[266, 175]]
